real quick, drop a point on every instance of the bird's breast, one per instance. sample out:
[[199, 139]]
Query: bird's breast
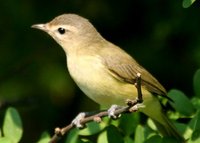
[[93, 78]]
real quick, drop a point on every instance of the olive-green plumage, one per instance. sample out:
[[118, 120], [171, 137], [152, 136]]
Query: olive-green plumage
[[103, 71]]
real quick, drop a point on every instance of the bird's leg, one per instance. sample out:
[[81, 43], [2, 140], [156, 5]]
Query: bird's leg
[[133, 104], [138, 86], [136, 104]]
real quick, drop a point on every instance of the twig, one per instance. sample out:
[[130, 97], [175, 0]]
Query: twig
[[59, 132]]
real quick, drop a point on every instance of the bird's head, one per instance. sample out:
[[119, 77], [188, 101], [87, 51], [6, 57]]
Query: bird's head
[[70, 31]]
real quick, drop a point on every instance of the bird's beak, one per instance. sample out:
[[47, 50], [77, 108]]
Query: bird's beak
[[40, 27]]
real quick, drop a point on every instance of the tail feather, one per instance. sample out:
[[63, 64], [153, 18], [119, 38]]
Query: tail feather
[[155, 111], [168, 129]]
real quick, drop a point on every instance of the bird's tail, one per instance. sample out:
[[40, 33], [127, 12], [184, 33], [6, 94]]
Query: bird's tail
[[168, 129]]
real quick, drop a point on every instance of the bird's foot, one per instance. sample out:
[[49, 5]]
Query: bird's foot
[[77, 120], [111, 112], [134, 105]]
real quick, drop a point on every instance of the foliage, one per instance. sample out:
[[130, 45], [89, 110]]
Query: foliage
[[127, 129], [188, 3], [12, 127]]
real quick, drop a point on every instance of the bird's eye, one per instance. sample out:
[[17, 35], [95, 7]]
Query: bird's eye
[[61, 30]]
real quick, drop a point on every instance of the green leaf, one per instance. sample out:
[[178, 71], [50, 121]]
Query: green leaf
[[169, 140], [151, 124], [5, 140], [183, 129], [84, 140], [114, 135], [45, 137], [102, 138], [196, 135], [128, 123], [196, 102], [196, 82], [181, 102], [194, 141], [187, 3], [72, 136], [12, 127], [92, 128], [110, 135], [195, 125], [154, 139], [127, 139], [139, 134]]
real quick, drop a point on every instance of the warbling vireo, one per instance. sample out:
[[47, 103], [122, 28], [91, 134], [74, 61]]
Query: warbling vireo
[[103, 71]]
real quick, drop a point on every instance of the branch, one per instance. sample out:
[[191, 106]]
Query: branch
[[131, 107], [97, 117]]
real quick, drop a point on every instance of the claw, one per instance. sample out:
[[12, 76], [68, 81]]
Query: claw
[[77, 120], [111, 112]]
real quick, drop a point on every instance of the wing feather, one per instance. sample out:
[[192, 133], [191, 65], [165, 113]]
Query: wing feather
[[124, 68]]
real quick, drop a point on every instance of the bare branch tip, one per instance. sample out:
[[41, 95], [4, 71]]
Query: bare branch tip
[[57, 131], [138, 74]]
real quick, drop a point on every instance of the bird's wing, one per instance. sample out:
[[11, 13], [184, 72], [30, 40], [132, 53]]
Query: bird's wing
[[124, 68]]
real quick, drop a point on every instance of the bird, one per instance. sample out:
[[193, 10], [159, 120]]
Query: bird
[[104, 71]]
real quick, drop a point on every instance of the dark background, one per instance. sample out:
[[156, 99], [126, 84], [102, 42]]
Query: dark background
[[161, 35]]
